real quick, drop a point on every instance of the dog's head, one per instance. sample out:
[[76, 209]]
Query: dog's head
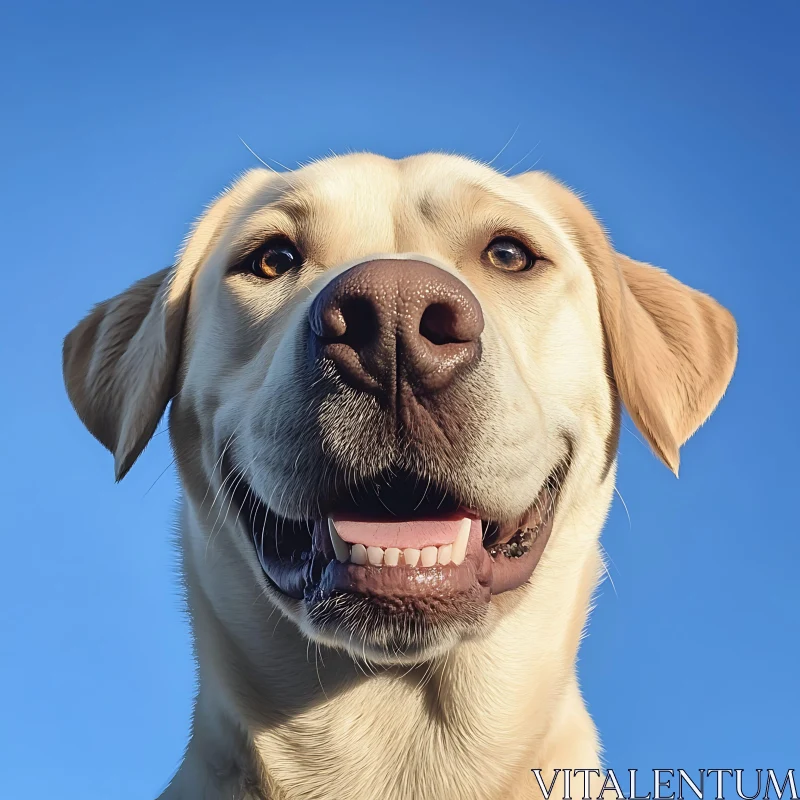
[[391, 383]]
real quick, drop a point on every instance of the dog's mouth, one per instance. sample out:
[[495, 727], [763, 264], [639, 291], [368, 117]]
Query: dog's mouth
[[398, 554]]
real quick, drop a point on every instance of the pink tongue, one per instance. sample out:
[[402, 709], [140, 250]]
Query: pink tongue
[[416, 533]]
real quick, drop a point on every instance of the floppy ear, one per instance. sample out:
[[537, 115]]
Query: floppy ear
[[120, 364], [121, 361], [673, 349]]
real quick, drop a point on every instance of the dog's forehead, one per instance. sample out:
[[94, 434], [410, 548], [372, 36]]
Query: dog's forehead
[[347, 208], [343, 177], [344, 207], [371, 185]]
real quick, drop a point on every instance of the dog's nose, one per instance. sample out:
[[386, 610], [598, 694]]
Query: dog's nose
[[389, 322]]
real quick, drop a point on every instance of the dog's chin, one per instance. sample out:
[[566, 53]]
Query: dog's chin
[[398, 572], [383, 638]]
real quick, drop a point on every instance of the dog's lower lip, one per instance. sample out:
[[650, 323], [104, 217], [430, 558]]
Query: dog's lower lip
[[298, 558]]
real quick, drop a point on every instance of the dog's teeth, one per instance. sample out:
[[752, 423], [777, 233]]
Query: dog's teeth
[[428, 556], [460, 544], [358, 554], [375, 556], [340, 547]]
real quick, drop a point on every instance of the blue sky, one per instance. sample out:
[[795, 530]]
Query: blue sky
[[681, 126]]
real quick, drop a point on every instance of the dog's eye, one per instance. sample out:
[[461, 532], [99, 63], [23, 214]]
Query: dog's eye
[[273, 258], [509, 255]]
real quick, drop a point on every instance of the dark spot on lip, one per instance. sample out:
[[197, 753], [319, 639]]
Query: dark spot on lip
[[516, 547]]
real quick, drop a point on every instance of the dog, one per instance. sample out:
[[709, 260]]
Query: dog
[[395, 390]]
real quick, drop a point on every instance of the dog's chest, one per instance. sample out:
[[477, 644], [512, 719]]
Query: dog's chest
[[391, 741]]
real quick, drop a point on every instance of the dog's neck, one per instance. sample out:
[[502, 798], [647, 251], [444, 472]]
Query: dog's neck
[[278, 717]]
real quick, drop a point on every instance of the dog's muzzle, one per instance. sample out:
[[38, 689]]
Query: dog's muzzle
[[399, 559]]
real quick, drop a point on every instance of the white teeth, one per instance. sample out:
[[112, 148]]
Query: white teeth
[[358, 554], [412, 557], [340, 546], [460, 544], [429, 555]]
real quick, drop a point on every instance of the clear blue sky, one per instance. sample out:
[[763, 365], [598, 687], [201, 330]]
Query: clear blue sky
[[120, 122]]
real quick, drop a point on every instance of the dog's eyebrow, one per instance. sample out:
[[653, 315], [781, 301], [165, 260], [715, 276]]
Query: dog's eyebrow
[[494, 213], [474, 197], [432, 207], [288, 214], [295, 207]]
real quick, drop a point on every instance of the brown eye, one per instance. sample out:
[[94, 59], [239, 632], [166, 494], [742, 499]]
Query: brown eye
[[509, 255], [274, 258]]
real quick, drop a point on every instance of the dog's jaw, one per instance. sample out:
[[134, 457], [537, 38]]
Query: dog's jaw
[[471, 723], [386, 579]]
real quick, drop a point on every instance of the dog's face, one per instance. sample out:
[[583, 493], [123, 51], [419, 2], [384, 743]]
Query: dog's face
[[392, 382]]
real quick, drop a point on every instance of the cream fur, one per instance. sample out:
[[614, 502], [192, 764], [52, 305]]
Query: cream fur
[[283, 712]]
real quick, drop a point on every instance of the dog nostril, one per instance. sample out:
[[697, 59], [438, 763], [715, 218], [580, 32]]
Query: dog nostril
[[439, 324], [361, 325]]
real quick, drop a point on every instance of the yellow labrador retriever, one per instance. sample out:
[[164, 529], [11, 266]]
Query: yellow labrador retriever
[[396, 391]]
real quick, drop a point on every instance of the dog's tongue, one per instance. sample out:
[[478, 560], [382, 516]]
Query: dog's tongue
[[417, 533]]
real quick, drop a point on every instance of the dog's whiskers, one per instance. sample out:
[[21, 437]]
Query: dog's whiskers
[[261, 160], [160, 476], [503, 148], [517, 163]]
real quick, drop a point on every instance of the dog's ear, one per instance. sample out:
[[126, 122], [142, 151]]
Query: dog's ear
[[120, 363], [673, 349]]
